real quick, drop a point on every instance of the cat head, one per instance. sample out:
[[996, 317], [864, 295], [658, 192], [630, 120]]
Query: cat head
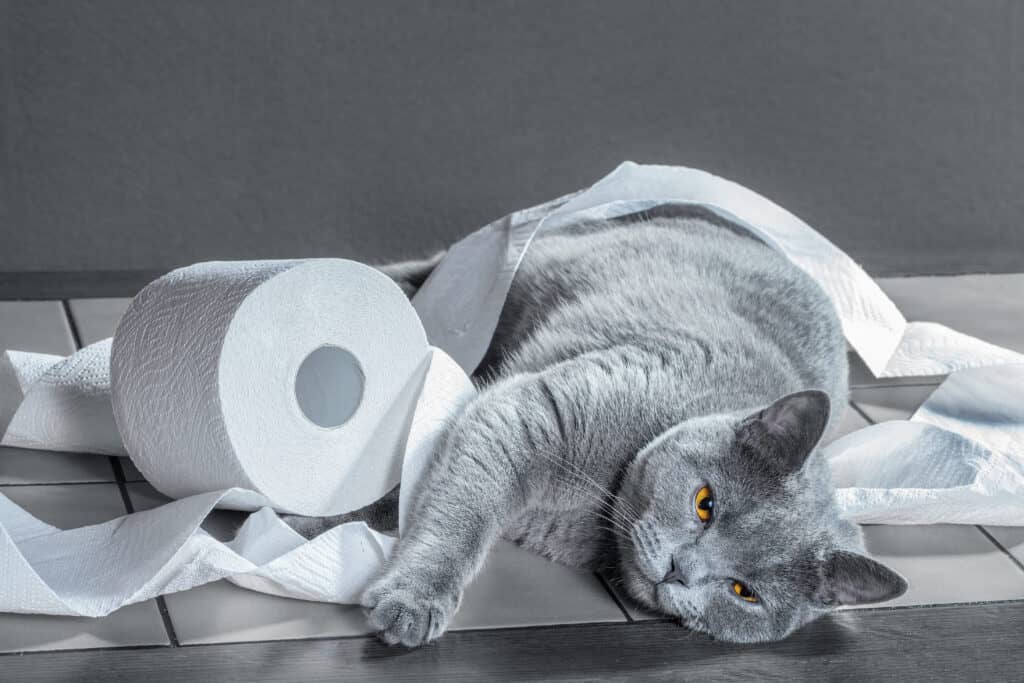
[[737, 532]]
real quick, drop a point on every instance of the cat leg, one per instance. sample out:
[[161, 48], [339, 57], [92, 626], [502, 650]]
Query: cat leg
[[410, 275], [481, 478], [381, 515]]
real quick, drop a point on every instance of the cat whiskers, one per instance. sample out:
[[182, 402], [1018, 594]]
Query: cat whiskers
[[633, 516], [622, 521], [627, 506]]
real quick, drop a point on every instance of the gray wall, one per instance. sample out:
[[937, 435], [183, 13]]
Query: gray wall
[[145, 135]]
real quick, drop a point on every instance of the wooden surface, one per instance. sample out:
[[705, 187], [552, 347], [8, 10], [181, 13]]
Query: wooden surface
[[962, 643]]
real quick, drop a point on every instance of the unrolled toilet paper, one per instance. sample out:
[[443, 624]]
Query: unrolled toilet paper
[[193, 395], [299, 386], [57, 403], [164, 550]]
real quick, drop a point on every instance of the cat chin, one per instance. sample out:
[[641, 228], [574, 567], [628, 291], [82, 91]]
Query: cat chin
[[641, 588]]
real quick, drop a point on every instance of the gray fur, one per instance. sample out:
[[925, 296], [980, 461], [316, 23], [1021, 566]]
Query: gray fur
[[636, 361]]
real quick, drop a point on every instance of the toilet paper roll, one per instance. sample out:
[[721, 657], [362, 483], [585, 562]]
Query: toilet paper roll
[[292, 379]]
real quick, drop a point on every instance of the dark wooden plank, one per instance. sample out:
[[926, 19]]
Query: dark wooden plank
[[74, 284], [971, 642]]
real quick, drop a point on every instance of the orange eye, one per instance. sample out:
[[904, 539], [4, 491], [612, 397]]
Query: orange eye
[[742, 590], [704, 504]]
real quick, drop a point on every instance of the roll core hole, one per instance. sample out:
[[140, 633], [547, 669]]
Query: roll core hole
[[329, 386]]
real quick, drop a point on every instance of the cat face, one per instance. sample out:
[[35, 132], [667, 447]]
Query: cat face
[[736, 529]]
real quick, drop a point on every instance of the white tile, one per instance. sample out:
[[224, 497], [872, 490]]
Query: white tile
[[1011, 538], [890, 403], [38, 326], [945, 563], [67, 507], [97, 319], [25, 466], [519, 588], [851, 422], [221, 612], [860, 376]]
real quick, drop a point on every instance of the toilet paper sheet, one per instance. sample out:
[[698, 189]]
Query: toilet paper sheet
[[959, 459]]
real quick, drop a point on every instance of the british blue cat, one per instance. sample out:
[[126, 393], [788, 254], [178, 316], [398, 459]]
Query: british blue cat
[[651, 402]]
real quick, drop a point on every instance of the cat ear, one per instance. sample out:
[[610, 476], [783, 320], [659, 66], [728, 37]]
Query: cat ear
[[853, 579], [793, 425]]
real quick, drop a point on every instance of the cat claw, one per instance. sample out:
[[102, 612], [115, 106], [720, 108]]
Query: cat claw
[[403, 615]]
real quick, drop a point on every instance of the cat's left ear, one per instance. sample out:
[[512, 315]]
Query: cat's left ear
[[853, 579], [791, 427]]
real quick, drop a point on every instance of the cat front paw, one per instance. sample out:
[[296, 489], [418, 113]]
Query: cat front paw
[[407, 612]]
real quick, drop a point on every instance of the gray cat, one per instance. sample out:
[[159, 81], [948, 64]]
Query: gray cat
[[651, 402]]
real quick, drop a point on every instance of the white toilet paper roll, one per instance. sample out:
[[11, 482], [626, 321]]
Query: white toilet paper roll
[[292, 379]]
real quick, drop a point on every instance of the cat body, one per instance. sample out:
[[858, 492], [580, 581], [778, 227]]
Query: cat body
[[649, 407], [684, 315]]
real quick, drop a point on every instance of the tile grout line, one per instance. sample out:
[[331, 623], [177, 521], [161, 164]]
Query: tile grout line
[[72, 326], [1005, 551], [618, 602], [857, 409], [120, 479], [861, 387]]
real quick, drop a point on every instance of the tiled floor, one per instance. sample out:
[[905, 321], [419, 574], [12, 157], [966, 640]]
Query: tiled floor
[[944, 564], [66, 506]]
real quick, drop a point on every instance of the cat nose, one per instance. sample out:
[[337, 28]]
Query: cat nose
[[674, 574]]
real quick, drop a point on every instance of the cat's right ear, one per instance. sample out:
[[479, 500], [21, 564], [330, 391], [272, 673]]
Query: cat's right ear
[[790, 428], [853, 579]]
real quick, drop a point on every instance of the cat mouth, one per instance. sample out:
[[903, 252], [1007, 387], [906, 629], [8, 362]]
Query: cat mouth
[[655, 584], [673, 575]]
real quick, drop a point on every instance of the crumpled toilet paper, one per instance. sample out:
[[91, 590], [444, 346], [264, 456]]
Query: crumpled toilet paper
[[959, 459], [164, 550], [220, 413], [59, 404]]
